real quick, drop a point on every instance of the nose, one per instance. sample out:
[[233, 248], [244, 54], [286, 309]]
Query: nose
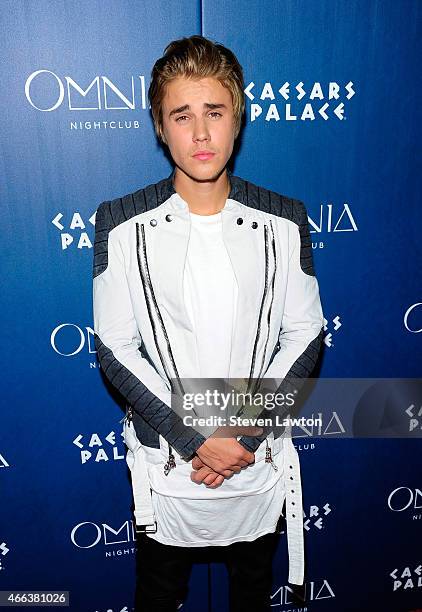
[[200, 130]]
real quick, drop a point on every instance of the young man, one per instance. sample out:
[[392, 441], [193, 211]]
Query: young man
[[205, 275]]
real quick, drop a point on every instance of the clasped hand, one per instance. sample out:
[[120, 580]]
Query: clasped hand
[[221, 457]]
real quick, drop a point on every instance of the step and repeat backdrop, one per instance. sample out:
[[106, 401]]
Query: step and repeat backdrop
[[332, 90]]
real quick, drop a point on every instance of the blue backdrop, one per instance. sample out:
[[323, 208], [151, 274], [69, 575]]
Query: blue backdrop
[[332, 119]]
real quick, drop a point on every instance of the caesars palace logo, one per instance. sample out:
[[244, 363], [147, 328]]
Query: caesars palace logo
[[407, 578], [3, 552], [73, 230], [47, 91], [96, 448]]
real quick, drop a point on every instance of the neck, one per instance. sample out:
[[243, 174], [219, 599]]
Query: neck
[[203, 197]]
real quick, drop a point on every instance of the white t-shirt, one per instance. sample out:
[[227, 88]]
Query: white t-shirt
[[248, 504], [210, 291]]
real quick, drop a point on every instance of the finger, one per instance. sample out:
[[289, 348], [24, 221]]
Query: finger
[[210, 478], [204, 473], [228, 473], [198, 476], [217, 482], [194, 477], [197, 463]]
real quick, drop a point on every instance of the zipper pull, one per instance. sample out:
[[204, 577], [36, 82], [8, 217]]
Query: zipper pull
[[268, 456], [128, 416], [170, 464]]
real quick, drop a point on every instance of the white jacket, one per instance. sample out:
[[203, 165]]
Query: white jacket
[[144, 339]]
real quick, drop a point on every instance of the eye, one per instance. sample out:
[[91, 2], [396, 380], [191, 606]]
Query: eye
[[181, 117], [216, 113]]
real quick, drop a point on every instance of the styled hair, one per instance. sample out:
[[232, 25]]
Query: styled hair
[[196, 57]]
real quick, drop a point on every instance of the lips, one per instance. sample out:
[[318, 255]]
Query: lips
[[203, 155]]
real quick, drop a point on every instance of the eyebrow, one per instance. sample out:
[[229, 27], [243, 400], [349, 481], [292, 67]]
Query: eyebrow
[[207, 105]]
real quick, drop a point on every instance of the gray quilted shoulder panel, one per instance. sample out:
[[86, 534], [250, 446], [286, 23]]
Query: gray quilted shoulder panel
[[113, 212], [276, 204]]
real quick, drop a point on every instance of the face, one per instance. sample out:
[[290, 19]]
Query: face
[[198, 117]]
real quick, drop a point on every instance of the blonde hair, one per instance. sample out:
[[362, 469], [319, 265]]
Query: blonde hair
[[196, 57]]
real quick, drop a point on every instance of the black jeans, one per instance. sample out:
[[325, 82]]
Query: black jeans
[[163, 573]]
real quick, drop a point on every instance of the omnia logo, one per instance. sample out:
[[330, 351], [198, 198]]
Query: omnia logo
[[77, 226], [402, 498], [97, 450], [46, 92], [69, 339], [324, 426], [317, 93], [409, 318], [314, 590], [3, 462], [331, 221], [88, 535]]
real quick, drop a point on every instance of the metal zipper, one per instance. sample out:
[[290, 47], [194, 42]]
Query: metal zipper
[[271, 304], [170, 463], [264, 293], [146, 283], [268, 451], [268, 456], [128, 416]]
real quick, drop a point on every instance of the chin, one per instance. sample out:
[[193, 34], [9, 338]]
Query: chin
[[204, 173]]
